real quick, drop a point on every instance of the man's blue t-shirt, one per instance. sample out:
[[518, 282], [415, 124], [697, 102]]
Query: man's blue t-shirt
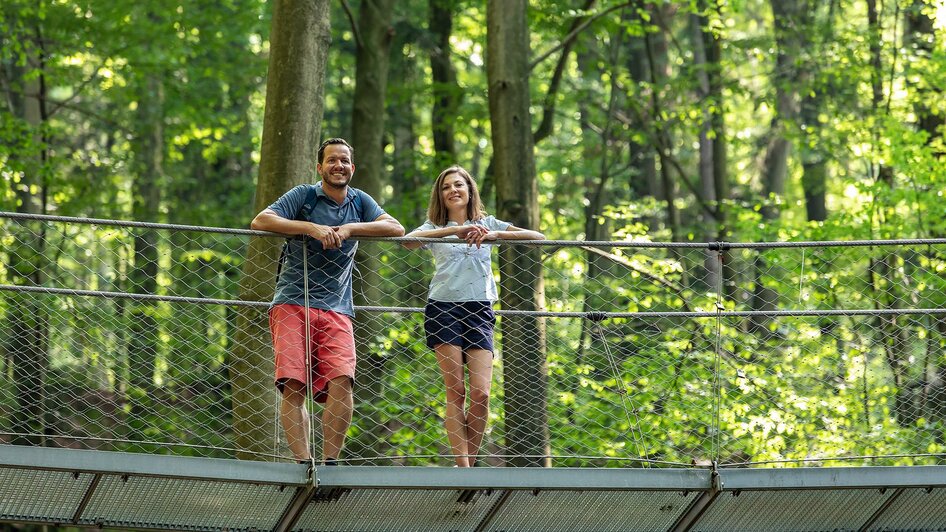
[[330, 270]]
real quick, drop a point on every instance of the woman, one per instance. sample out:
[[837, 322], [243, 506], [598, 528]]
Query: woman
[[458, 318]]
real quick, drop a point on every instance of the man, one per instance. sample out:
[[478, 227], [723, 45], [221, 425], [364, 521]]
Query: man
[[333, 212]]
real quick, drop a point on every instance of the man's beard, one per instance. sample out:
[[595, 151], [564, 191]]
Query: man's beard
[[326, 182]]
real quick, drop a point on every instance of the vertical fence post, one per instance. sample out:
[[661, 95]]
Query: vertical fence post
[[717, 378]]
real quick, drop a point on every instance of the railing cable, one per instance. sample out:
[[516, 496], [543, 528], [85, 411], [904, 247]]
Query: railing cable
[[633, 426]]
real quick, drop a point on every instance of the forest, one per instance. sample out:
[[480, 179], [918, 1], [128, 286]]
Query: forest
[[708, 174]]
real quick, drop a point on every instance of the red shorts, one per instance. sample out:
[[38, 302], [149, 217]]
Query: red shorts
[[332, 343]]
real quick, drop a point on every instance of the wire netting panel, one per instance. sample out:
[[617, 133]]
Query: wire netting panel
[[155, 338], [816, 388], [610, 397], [108, 397]]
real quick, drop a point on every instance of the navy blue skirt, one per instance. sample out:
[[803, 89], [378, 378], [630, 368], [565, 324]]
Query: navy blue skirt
[[467, 324]]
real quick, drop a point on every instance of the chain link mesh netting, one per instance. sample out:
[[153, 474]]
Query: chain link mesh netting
[[150, 338]]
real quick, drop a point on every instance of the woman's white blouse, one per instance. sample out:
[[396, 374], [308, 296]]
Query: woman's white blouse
[[463, 272]]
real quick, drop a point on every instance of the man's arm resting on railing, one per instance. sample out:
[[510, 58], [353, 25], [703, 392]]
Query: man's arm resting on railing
[[268, 220], [384, 225]]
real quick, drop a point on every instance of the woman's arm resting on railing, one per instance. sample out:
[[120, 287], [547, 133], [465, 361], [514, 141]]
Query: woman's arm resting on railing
[[461, 231], [510, 233]]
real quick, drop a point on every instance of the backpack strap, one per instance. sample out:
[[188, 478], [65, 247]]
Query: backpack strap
[[311, 198]]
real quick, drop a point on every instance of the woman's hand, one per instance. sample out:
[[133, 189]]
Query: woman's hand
[[470, 232], [479, 236]]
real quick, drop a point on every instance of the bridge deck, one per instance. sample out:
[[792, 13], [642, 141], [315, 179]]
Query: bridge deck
[[160, 492]]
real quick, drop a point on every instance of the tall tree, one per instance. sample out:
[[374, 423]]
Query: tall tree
[[791, 22], [525, 373], [920, 42], [643, 178], [885, 271], [714, 178], [658, 65], [143, 334], [373, 36], [28, 318], [446, 91], [409, 184], [812, 152], [291, 129]]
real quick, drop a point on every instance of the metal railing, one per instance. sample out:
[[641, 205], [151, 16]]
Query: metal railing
[[154, 338]]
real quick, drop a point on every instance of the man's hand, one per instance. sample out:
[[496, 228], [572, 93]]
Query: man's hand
[[328, 236], [343, 232]]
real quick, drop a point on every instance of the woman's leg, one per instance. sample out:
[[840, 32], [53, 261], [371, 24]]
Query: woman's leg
[[450, 359], [480, 362]]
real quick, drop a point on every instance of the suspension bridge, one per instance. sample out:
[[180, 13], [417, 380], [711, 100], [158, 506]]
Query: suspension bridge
[[666, 386]]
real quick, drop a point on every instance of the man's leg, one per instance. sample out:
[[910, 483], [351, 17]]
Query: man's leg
[[287, 325], [337, 416], [295, 419]]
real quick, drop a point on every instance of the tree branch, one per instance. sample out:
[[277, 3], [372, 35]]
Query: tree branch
[[656, 279], [67, 104], [569, 39], [75, 92], [548, 105], [351, 20]]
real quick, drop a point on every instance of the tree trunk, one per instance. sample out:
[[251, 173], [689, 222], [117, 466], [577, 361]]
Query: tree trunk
[[291, 131], [920, 42], [655, 45], [813, 157], [699, 27], [142, 324], [368, 127], [446, 92], [643, 180], [791, 18], [792, 22], [521, 285], [886, 269], [814, 179], [714, 72], [28, 324], [410, 186]]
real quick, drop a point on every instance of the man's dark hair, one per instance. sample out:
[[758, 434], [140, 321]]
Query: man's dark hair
[[335, 140]]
